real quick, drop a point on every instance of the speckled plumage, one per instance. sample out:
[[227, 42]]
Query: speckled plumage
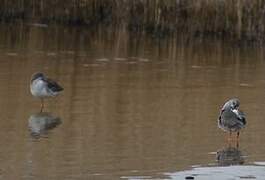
[[231, 119]]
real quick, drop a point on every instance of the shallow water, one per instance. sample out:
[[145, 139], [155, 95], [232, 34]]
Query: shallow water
[[134, 107]]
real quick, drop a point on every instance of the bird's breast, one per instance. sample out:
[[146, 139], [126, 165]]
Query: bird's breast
[[38, 88]]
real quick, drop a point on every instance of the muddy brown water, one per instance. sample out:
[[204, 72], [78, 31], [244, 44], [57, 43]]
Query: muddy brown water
[[134, 106]]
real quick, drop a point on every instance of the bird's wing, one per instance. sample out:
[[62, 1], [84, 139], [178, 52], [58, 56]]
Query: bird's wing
[[230, 118], [240, 117], [54, 86]]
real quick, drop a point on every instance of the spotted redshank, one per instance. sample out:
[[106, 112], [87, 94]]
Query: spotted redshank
[[231, 119]]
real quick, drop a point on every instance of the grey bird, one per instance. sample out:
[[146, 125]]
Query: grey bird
[[231, 119], [43, 87]]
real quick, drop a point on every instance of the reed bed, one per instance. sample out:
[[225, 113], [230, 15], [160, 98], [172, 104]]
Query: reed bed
[[239, 19]]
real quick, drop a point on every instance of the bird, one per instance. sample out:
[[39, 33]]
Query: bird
[[231, 119], [43, 87]]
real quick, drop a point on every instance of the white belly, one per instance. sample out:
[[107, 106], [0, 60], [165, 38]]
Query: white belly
[[40, 89]]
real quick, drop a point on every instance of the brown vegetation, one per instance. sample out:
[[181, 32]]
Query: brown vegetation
[[241, 19]]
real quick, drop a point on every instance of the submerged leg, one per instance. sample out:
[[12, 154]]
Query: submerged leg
[[237, 137], [237, 140], [42, 104], [230, 135]]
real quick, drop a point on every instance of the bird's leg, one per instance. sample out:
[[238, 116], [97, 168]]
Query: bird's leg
[[237, 136], [42, 104], [230, 136], [236, 142]]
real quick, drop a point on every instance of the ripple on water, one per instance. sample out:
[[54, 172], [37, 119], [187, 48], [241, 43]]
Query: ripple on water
[[120, 59], [91, 65], [132, 62], [51, 54], [196, 67], [67, 52], [245, 85], [143, 60], [136, 177], [102, 60], [11, 54]]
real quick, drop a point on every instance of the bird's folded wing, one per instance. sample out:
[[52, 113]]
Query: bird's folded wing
[[54, 86]]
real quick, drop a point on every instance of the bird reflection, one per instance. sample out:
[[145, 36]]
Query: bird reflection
[[229, 156], [41, 123]]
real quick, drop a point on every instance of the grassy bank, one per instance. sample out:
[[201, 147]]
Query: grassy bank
[[239, 19]]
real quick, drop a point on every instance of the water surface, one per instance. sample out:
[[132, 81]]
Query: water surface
[[134, 106]]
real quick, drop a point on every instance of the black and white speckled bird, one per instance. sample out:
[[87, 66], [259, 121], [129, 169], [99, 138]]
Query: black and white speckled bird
[[43, 87], [231, 119]]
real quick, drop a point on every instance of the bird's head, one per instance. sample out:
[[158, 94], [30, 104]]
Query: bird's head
[[37, 75], [231, 104]]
